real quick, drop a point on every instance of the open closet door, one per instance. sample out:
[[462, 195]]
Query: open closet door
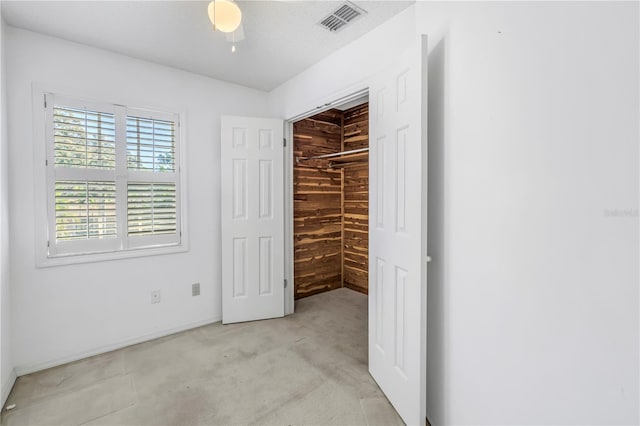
[[397, 239], [252, 219]]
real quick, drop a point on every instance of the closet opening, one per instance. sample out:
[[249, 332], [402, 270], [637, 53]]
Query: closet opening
[[330, 200]]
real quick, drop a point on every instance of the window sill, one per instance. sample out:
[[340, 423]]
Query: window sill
[[73, 259]]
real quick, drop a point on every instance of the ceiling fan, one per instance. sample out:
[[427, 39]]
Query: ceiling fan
[[226, 17]]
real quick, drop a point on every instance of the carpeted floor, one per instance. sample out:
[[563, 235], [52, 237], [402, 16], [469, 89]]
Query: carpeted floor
[[307, 368]]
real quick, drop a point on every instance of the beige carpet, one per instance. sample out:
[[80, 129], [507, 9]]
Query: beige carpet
[[307, 368]]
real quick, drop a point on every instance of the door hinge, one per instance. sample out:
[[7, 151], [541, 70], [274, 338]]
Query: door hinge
[[285, 283], [45, 100], [284, 142], [48, 244], [46, 162]]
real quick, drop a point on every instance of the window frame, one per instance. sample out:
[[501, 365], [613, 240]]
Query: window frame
[[50, 253]]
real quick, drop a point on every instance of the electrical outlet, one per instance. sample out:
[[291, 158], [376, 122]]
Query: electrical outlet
[[155, 296], [195, 289]]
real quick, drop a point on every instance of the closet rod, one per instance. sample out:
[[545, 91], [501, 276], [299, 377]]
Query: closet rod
[[335, 154]]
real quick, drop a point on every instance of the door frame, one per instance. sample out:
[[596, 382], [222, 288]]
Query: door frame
[[341, 96], [353, 94]]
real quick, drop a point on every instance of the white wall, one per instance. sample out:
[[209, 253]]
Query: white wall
[[7, 374], [345, 71], [59, 312], [533, 132], [534, 119]]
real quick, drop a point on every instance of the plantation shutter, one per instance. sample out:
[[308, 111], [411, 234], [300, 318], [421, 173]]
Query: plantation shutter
[[112, 177], [85, 209], [151, 208], [82, 177], [84, 138], [153, 197]]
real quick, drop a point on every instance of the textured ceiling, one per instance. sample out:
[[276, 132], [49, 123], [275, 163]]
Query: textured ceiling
[[282, 38]]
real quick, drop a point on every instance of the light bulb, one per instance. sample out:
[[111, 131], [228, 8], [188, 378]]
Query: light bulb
[[233, 48], [225, 15]]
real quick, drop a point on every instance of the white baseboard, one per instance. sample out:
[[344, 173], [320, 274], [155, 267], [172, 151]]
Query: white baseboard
[[7, 386], [21, 370]]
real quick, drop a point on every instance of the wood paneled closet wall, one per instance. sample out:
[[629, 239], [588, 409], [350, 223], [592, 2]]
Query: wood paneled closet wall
[[331, 202]]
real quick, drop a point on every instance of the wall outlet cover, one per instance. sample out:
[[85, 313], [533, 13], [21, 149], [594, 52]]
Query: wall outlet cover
[[195, 289]]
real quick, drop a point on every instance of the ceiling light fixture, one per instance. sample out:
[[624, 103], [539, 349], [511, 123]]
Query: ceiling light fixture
[[225, 15]]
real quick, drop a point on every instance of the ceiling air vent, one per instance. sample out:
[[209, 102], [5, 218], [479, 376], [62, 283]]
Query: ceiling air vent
[[344, 14]]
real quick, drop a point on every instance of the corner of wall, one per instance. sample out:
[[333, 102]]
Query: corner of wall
[[7, 385], [7, 372]]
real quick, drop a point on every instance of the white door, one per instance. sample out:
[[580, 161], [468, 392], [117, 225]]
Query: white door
[[397, 239], [252, 219]]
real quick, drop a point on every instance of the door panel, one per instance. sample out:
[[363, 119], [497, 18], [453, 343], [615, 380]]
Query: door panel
[[397, 296], [252, 219]]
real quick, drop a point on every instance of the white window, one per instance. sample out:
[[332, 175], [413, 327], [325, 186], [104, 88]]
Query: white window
[[113, 178]]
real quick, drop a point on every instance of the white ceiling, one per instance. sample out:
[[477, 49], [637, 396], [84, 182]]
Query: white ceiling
[[282, 38]]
